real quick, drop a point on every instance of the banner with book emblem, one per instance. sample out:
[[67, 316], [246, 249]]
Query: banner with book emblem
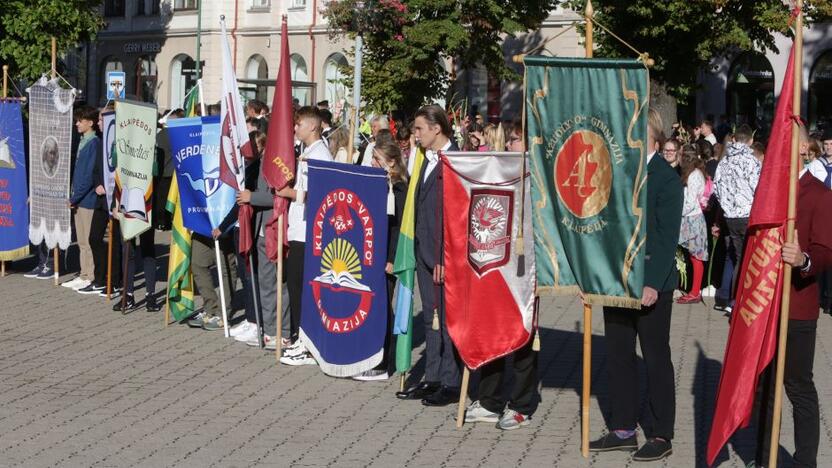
[[587, 129], [50, 144], [135, 143], [344, 309], [108, 139]]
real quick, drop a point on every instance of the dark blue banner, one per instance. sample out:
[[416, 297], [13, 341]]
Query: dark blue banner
[[344, 316], [14, 214], [205, 200]]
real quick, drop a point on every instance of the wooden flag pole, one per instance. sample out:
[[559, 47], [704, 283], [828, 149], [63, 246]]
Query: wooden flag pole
[[402, 382], [463, 398], [125, 258], [54, 73], [586, 381], [278, 335], [220, 274], [109, 259], [785, 303]]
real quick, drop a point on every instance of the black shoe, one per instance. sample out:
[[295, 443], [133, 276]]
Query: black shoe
[[91, 289], [151, 305], [654, 449], [443, 397], [129, 304], [612, 442], [418, 391]]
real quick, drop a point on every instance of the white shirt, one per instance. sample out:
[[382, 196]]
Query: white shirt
[[432, 158], [368, 154], [297, 209], [410, 160], [711, 139]]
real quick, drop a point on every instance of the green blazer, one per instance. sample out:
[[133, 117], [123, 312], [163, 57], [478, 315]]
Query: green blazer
[[664, 217]]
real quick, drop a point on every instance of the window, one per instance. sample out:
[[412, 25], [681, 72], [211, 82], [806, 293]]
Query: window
[[297, 4], [298, 73], [114, 8], [820, 93], [750, 93], [146, 79], [147, 7], [182, 79], [334, 87], [185, 4], [257, 69], [260, 4]]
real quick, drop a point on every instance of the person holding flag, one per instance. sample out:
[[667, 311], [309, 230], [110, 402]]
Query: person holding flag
[[440, 386], [809, 255], [651, 324]]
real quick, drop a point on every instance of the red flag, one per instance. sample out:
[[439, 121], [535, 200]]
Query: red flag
[[752, 339], [278, 160], [489, 286]]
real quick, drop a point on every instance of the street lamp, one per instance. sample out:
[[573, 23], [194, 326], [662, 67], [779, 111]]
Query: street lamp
[[356, 82]]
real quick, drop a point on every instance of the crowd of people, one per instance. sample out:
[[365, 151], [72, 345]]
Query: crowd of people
[[700, 193]]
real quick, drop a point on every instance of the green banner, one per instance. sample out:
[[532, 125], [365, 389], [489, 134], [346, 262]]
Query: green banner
[[136, 150], [587, 128]]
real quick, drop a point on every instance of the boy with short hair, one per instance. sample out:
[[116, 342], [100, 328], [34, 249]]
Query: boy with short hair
[[83, 198]]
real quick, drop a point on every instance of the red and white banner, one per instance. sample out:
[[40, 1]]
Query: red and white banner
[[489, 285], [235, 144]]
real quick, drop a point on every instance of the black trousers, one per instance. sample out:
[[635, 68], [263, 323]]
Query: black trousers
[[523, 397], [244, 273], [294, 283], [652, 327], [825, 285], [800, 388], [441, 361], [145, 250], [98, 229], [736, 240]]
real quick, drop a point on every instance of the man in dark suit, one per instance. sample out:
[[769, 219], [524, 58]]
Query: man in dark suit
[[440, 385], [651, 324]]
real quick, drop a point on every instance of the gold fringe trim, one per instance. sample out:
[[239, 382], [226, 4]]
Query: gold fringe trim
[[9, 255], [536, 342], [435, 319], [613, 301], [591, 299], [557, 290]]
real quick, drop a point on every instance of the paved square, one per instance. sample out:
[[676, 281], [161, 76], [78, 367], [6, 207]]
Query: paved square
[[81, 385]]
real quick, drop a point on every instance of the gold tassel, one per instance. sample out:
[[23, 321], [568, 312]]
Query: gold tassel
[[536, 342], [519, 246], [436, 319]]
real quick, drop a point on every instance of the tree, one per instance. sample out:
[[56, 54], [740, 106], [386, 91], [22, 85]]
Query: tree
[[26, 28], [683, 36], [406, 41]]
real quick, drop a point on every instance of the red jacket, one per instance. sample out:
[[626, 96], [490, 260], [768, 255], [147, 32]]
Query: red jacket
[[814, 233]]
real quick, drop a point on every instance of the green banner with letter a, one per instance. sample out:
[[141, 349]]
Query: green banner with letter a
[[587, 133]]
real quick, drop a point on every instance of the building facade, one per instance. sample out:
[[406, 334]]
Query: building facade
[[155, 43], [744, 85]]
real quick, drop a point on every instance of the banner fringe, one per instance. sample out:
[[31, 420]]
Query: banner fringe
[[337, 370], [9, 255], [557, 290], [613, 301]]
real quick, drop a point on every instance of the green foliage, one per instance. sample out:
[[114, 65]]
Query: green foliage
[[682, 36], [26, 28], [406, 41]]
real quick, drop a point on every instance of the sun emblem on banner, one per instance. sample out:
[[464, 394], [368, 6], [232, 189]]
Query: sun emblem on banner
[[583, 173], [340, 258]]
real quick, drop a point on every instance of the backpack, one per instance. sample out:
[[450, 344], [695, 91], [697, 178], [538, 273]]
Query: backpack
[[706, 194]]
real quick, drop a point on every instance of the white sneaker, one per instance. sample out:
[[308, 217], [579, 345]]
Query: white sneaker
[[72, 283], [250, 337], [250, 333], [241, 328], [294, 349], [303, 359], [83, 284], [476, 413], [710, 291], [372, 375]]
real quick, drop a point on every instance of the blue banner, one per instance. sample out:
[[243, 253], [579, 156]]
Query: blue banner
[[205, 200], [344, 310], [14, 214]]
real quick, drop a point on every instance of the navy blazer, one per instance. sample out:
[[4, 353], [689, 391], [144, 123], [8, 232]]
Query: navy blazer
[[429, 223]]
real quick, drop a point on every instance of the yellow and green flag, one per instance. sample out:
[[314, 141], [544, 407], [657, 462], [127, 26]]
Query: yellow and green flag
[[405, 270], [180, 279]]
